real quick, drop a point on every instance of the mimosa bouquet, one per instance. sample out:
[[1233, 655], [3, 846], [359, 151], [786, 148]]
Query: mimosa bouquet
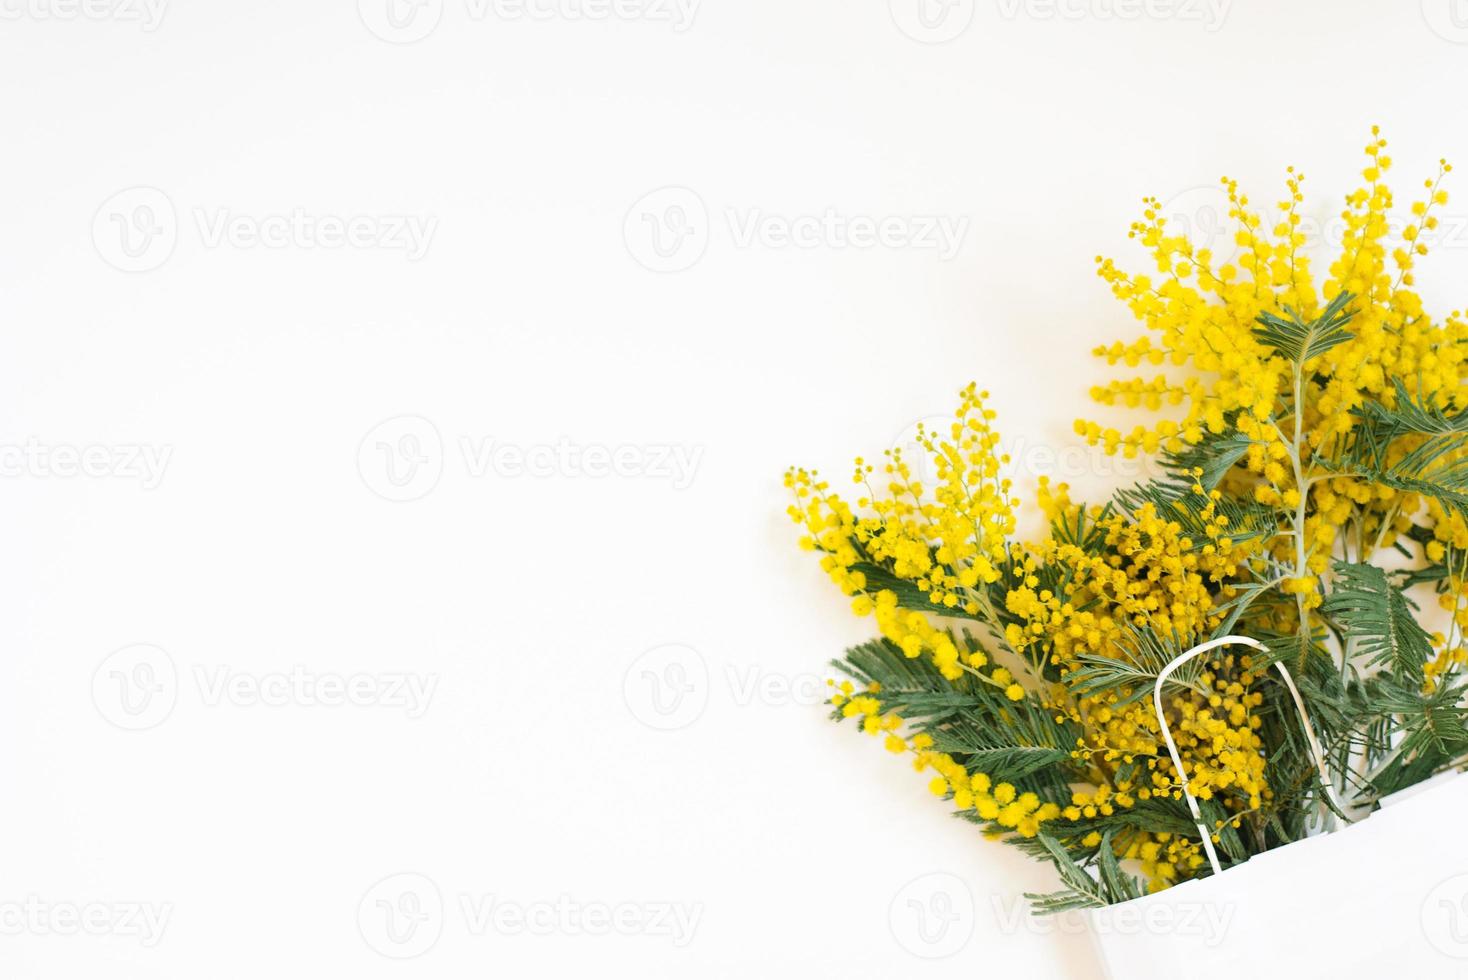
[[1312, 437]]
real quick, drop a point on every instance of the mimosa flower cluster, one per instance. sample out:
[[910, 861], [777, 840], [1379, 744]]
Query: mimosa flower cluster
[[1314, 433]]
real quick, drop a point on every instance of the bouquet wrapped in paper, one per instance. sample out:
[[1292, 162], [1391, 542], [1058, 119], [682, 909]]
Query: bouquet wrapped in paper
[[1212, 687]]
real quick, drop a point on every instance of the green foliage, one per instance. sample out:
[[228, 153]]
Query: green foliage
[[1133, 672], [1379, 619], [1083, 891], [1431, 464], [1119, 887], [1383, 718], [970, 719], [909, 596], [1433, 724], [1005, 763], [1214, 456], [1298, 341], [1234, 609], [1176, 499]]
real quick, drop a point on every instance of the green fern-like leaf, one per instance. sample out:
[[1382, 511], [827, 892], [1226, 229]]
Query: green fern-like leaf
[[1120, 887], [1177, 500], [1133, 674], [1007, 764], [1214, 456], [1298, 341], [1434, 464], [1379, 618], [1081, 891]]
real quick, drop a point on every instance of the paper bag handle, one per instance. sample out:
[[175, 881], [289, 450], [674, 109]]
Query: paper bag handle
[[1177, 761]]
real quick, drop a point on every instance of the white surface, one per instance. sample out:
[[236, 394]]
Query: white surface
[[535, 603], [1383, 897]]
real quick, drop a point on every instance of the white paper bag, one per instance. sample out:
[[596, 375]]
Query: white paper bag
[[1386, 897]]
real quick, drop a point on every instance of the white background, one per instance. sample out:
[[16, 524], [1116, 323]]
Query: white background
[[532, 597]]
